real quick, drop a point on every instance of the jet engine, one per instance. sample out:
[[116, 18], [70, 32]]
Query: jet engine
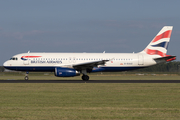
[[65, 72]]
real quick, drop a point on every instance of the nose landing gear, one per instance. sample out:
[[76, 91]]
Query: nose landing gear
[[26, 77]]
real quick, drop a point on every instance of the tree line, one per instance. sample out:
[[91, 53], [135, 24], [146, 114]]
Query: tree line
[[173, 66], [2, 69]]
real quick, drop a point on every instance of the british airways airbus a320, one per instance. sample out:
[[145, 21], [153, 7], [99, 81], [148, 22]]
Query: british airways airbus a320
[[74, 64]]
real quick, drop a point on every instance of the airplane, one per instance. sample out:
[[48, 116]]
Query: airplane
[[75, 64]]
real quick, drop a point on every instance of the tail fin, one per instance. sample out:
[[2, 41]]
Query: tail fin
[[159, 45]]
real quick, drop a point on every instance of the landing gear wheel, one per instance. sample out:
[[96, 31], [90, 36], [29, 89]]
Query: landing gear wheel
[[26, 78], [85, 77]]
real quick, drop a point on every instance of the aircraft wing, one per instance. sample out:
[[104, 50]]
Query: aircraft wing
[[89, 65]]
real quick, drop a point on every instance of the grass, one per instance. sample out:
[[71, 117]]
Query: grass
[[43, 101], [89, 101]]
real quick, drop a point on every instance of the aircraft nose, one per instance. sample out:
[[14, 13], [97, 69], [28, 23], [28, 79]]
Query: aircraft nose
[[5, 64]]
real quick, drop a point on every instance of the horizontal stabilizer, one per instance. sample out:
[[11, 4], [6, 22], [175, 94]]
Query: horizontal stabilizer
[[165, 59]]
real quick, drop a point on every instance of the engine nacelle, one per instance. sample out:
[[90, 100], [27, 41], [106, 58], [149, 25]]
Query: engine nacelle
[[65, 72]]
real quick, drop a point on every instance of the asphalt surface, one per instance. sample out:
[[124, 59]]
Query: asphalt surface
[[90, 81]]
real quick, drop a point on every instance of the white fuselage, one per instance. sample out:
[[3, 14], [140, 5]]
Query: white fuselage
[[48, 61]]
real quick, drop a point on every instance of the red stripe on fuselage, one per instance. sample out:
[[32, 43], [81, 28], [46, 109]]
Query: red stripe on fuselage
[[30, 56], [166, 34]]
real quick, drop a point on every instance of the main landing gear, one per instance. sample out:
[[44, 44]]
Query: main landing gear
[[85, 76], [26, 77]]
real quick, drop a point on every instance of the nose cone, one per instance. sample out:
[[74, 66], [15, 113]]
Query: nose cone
[[5, 64]]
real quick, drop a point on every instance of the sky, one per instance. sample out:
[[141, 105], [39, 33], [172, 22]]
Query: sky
[[92, 26]]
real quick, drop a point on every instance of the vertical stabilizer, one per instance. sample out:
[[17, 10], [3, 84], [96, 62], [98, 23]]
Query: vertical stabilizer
[[159, 45]]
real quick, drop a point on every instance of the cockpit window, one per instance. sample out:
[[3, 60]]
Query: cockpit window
[[14, 58]]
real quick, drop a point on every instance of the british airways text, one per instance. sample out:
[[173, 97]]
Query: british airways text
[[45, 61]]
